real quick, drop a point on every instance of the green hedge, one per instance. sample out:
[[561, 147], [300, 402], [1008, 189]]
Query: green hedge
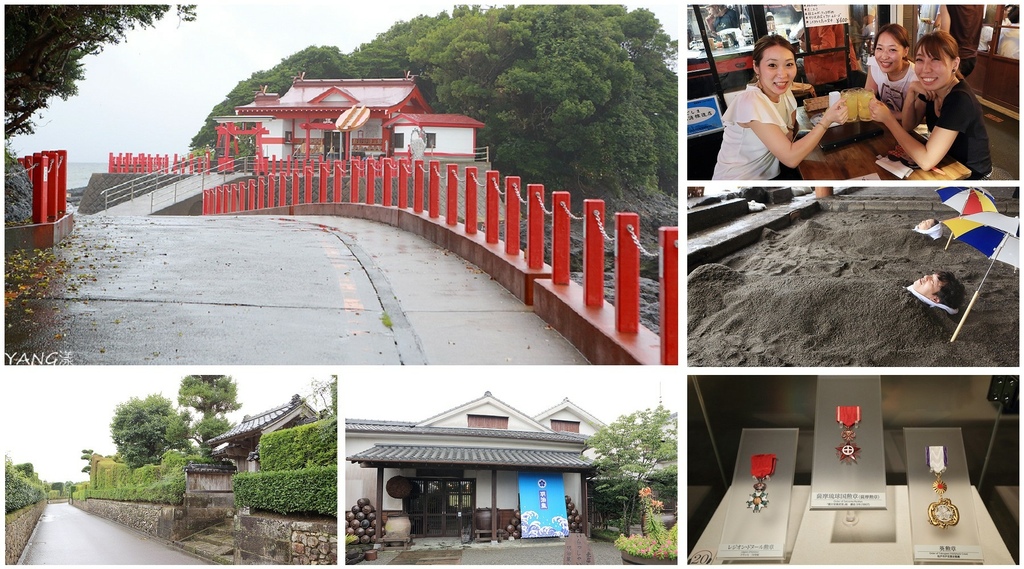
[[19, 491], [315, 444], [310, 490], [168, 490]]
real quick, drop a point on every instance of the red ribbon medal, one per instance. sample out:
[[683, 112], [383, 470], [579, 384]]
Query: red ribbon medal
[[762, 466], [848, 417]]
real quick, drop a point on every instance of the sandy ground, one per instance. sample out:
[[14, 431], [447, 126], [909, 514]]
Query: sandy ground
[[829, 291]]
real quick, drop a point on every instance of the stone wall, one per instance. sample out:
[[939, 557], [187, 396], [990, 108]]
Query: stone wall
[[18, 528], [279, 540], [172, 523]]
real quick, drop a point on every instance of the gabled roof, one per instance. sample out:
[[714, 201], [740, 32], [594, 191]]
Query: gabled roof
[[567, 405], [487, 398], [338, 94], [266, 420], [424, 455], [408, 428], [439, 120]]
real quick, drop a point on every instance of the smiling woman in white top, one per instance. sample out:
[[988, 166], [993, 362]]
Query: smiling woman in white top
[[760, 125], [890, 71]]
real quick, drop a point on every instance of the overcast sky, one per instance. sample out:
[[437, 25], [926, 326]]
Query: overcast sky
[[152, 92], [52, 413], [605, 392]]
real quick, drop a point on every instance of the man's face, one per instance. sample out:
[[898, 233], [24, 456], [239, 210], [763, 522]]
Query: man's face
[[926, 224], [929, 286]]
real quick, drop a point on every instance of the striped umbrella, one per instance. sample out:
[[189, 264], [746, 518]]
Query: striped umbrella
[[966, 201], [997, 236]]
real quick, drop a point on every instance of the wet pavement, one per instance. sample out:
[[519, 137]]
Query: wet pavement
[[271, 290], [66, 535]]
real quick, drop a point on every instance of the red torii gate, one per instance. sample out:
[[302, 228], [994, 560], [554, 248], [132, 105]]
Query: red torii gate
[[227, 134]]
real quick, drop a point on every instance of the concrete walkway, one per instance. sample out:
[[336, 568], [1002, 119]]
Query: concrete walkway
[[523, 552], [66, 535], [274, 290]]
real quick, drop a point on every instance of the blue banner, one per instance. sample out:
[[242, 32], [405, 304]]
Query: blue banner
[[542, 503], [703, 116]]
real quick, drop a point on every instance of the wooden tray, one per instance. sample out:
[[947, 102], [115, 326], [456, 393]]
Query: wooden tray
[[816, 104]]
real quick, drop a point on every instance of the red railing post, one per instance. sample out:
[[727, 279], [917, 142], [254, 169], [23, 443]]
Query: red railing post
[[471, 199], [371, 181], [339, 172], [389, 178], [261, 187], [417, 186], [39, 187], [252, 194], [296, 182], [282, 188], [353, 188], [270, 190], [451, 213], [535, 226], [216, 199], [512, 189], [110, 163], [627, 272], [593, 252], [491, 206], [325, 172], [668, 282], [403, 183], [560, 238], [62, 183], [307, 186], [434, 190], [53, 187]]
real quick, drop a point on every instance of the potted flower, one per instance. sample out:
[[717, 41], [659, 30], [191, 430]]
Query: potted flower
[[657, 545]]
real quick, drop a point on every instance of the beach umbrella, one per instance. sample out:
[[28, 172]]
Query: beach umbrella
[[997, 236], [966, 201]]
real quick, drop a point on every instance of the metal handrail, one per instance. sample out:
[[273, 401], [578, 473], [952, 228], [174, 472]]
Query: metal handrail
[[127, 188]]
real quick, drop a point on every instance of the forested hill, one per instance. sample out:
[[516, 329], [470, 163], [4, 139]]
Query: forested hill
[[575, 97]]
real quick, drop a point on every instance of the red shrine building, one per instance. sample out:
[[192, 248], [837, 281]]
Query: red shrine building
[[301, 123]]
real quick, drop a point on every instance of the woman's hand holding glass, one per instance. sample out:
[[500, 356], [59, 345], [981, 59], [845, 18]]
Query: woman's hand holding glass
[[837, 113], [880, 112]]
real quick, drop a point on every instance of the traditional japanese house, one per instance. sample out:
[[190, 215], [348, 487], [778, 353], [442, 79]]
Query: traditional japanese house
[[241, 443], [301, 123], [483, 456]]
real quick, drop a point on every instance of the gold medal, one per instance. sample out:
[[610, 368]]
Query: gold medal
[[943, 513]]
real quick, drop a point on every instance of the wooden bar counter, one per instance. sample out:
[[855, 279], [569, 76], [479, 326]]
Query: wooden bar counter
[[858, 159]]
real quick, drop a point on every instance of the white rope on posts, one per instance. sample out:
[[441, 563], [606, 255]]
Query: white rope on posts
[[636, 240], [600, 226]]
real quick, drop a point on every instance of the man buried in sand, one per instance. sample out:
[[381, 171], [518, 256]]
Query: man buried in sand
[[939, 289], [930, 227]]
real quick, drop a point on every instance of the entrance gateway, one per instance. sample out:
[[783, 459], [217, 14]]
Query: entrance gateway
[[435, 504]]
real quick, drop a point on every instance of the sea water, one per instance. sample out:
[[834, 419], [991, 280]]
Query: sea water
[[80, 172]]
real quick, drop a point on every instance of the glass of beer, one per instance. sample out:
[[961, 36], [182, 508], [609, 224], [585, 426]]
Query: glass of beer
[[852, 104], [865, 96]]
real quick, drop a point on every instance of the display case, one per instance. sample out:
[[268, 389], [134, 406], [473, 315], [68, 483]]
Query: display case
[[973, 418]]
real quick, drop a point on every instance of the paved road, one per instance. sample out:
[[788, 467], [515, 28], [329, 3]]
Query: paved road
[[273, 290], [66, 535]]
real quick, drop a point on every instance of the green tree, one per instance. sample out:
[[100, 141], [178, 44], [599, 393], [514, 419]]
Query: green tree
[[139, 429], [205, 400], [630, 451], [87, 456], [44, 46]]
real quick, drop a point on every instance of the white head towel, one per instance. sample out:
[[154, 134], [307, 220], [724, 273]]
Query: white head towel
[[935, 232], [929, 302]]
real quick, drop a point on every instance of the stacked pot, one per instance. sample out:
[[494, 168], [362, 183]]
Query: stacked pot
[[573, 515], [513, 528], [361, 521]]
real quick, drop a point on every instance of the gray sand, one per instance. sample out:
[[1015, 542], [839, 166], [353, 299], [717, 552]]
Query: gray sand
[[830, 292]]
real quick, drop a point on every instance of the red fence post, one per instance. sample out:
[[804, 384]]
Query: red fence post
[[353, 188], [389, 177], [491, 206], [270, 190], [371, 181], [296, 182], [560, 238], [434, 189], [62, 181], [451, 210], [307, 187], [339, 172], [535, 226], [325, 172], [593, 252], [261, 187], [668, 281], [512, 185], [39, 187], [110, 163], [417, 186], [53, 187], [471, 199], [627, 272], [282, 188], [252, 194]]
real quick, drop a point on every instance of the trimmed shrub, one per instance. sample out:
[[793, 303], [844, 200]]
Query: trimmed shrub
[[315, 444], [168, 490], [19, 491], [310, 490]]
